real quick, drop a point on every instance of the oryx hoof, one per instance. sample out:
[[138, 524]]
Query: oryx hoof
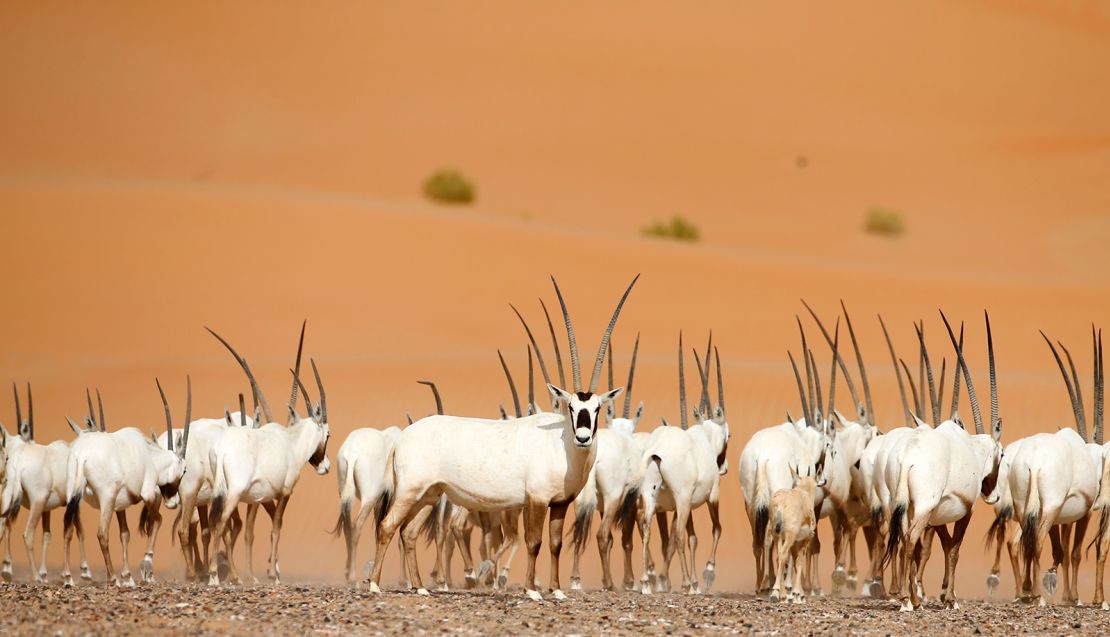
[[1049, 582], [125, 580], [629, 584], [1106, 606], [534, 595], [663, 584], [146, 569], [576, 583], [223, 567], [405, 585], [645, 586], [85, 572], [443, 588], [907, 606], [67, 581], [839, 579], [502, 581], [42, 574], [1042, 603], [374, 588], [485, 566], [798, 599], [709, 575], [422, 591], [852, 582], [558, 594], [6, 571], [471, 579], [992, 583], [776, 594]]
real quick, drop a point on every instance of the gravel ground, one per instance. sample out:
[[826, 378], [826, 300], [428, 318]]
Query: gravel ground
[[170, 609]]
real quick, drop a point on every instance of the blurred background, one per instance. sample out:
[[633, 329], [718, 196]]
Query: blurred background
[[398, 173]]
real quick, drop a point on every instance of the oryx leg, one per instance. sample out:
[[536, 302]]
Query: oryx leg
[[555, 541], [690, 580], [6, 525], [410, 534], [812, 579], [1080, 532], [534, 514], [462, 534], [1058, 537], [782, 549], [146, 567], [627, 524], [183, 526], [874, 557], [125, 578], [206, 524], [1103, 548], [1013, 539], [448, 554], [798, 555], [678, 540], [999, 543], [663, 576], [926, 554], [277, 515], [509, 540], [67, 538], [33, 517], [840, 527], [45, 543], [710, 573], [366, 507], [649, 491], [850, 544], [235, 526], [404, 508], [102, 537]]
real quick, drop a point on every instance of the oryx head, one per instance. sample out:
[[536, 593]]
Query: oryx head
[[169, 463], [583, 407], [316, 416]]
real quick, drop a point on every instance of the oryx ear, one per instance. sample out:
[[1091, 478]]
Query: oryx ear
[[639, 412], [611, 395], [154, 437], [292, 415], [718, 414], [227, 417], [257, 417], [609, 412], [532, 409], [861, 414], [663, 421], [89, 424], [558, 394], [25, 431], [4, 432], [317, 413], [996, 431]]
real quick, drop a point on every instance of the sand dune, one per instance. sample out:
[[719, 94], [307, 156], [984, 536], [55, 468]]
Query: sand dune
[[222, 167]]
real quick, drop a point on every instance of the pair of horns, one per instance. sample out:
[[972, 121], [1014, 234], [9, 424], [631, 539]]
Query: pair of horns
[[297, 384], [962, 368], [575, 367], [188, 415], [1075, 393], [811, 393], [30, 412], [512, 384], [91, 418], [256, 391], [863, 408], [703, 375], [627, 411]]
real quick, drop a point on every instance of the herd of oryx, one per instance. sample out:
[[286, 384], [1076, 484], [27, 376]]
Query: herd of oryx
[[443, 476]]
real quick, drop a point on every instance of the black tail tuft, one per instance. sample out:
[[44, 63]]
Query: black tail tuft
[[13, 510], [146, 522], [895, 534], [385, 501], [1029, 536], [1103, 520], [629, 505], [762, 517], [876, 517], [343, 522], [997, 532], [216, 509], [430, 528], [583, 516], [73, 508]]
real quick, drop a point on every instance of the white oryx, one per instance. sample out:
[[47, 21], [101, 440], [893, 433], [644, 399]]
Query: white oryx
[[688, 463], [34, 478], [936, 475], [262, 466], [1053, 482], [535, 463], [115, 470], [613, 486]]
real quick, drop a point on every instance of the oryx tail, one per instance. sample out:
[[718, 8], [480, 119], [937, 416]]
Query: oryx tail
[[346, 477], [584, 506], [762, 503], [1032, 518], [898, 515], [75, 487]]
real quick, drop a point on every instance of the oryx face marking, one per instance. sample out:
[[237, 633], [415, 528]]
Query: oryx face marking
[[583, 411]]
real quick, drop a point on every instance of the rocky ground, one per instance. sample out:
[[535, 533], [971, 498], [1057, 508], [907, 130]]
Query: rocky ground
[[171, 609]]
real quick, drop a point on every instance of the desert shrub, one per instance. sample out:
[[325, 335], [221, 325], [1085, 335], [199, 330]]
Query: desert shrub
[[883, 221], [678, 228], [449, 186]]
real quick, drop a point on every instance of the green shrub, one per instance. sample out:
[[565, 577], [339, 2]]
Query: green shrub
[[449, 186], [678, 228], [883, 221]]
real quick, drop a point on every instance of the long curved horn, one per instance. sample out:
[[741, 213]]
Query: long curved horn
[[631, 375], [609, 355], [188, 414], [832, 373], [572, 344], [801, 390], [817, 399], [996, 419], [304, 394], [720, 382], [169, 419], [913, 391], [940, 383], [862, 370], [435, 392], [934, 402], [809, 374], [1076, 407], [297, 371], [703, 376], [921, 377], [976, 414], [596, 375], [531, 379], [897, 373], [1099, 385], [1078, 392], [837, 358], [100, 409], [18, 409], [92, 416], [681, 384], [532, 339], [555, 344], [246, 369], [408, 417], [956, 380], [320, 388], [512, 385], [30, 412]]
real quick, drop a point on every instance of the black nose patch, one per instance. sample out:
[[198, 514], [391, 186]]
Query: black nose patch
[[583, 420]]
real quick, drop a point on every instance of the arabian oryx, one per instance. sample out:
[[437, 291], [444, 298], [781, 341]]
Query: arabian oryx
[[1102, 505], [936, 476], [1053, 482], [537, 462], [793, 524], [682, 470], [261, 467], [613, 486], [115, 470], [35, 478]]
